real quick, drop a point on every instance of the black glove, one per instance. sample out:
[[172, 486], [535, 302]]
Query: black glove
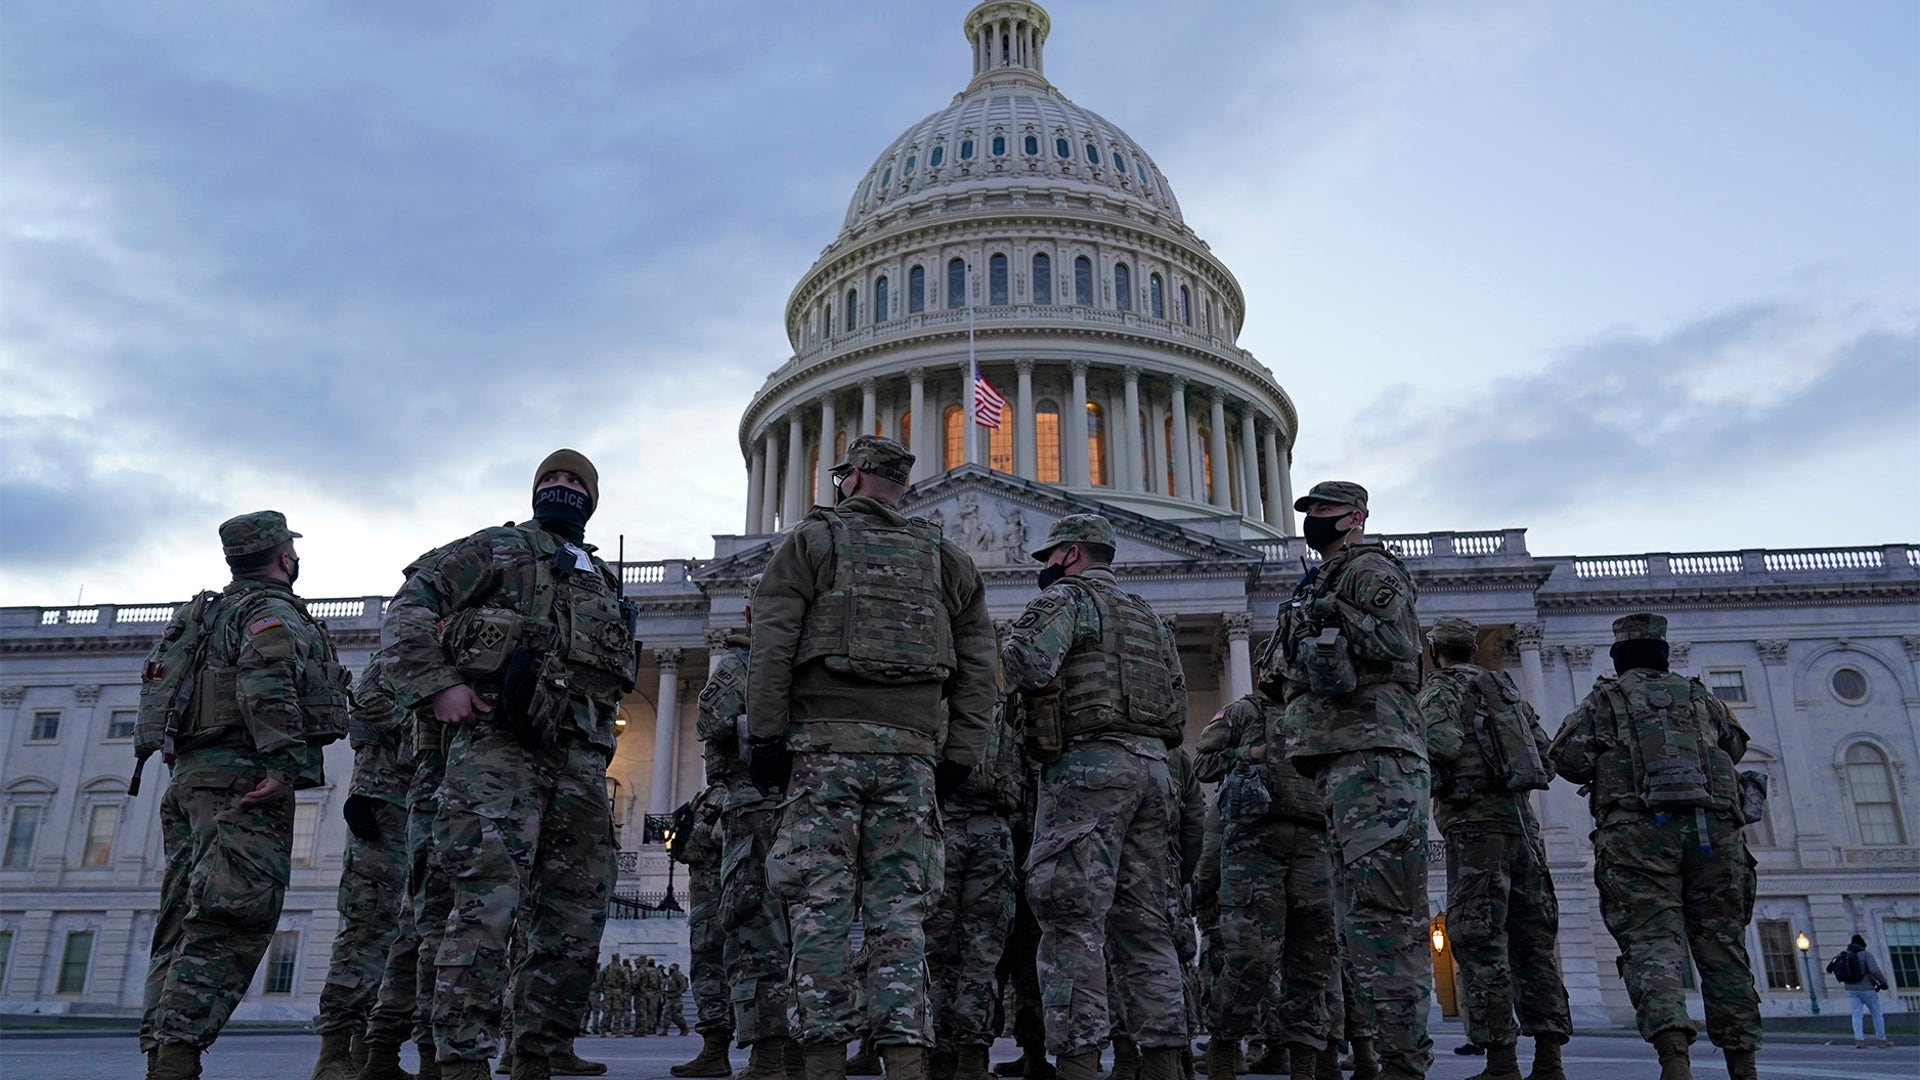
[[948, 776], [771, 765], [361, 820]]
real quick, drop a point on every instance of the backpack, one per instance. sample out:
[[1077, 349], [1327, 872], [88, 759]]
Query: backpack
[[1848, 967], [167, 680], [1664, 756]]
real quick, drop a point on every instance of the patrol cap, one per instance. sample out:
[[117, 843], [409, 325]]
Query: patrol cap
[[1344, 492], [1076, 529], [250, 534], [880, 456], [1454, 630], [1640, 626], [575, 462]]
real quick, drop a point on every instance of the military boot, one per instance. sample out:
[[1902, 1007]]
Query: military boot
[[1546, 1058], [1126, 1060], [1671, 1045], [568, 1063], [175, 1061], [712, 1058], [1160, 1063], [1031, 1064], [904, 1062], [1081, 1066], [766, 1059], [1240, 1065], [464, 1069], [827, 1062], [1220, 1058], [383, 1062], [794, 1058], [1326, 1063], [505, 1068], [531, 1066], [1272, 1060], [864, 1062], [1503, 1063], [972, 1064], [1741, 1066], [942, 1063], [336, 1057], [1366, 1064]]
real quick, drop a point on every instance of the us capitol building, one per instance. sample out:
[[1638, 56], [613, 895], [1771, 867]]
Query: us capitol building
[[1023, 228]]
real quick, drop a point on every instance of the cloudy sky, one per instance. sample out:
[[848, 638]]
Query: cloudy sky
[[1635, 276]]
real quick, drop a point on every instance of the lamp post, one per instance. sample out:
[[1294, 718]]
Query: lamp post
[[1806, 964], [667, 902]]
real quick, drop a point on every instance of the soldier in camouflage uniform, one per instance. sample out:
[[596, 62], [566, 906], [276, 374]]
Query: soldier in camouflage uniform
[[1098, 876], [269, 692], [373, 878], [647, 999], [1502, 914], [1672, 866], [1276, 894], [1345, 661], [863, 622], [519, 639], [706, 937], [673, 990], [619, 990]]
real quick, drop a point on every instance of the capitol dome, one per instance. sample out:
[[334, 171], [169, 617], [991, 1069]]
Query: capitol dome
[[1020, 231]]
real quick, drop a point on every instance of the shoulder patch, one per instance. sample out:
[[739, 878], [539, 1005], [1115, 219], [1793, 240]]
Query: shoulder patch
[[1384, 594], [262, 625]]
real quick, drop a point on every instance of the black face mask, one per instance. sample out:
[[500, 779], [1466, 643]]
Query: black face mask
[[293, 572], [1648, 653], [562, 511], [1051, 573], [1322, 532]]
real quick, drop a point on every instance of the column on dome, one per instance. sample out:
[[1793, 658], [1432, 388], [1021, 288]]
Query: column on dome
[[1077, 427], [1026, 458], [1286, 487], [1276, 503], [796, 502], [869, 405], [1217, 446], [917, 416], [756, 485], [666, 730], [1239, 627], [823, 480], [1249, 468], [1182, 467], [770, 495], [1130, 422]]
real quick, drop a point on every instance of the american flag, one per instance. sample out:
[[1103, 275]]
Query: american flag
[[988, 405]]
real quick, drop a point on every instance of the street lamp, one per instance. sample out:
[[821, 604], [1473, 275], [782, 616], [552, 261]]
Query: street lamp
[[1806, 964], [1439, 938], [667, 902]]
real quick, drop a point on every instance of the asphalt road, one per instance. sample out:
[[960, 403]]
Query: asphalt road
[[289, 1056]]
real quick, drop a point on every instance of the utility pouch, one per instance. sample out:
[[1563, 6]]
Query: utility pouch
[[1330, 671], [1753, 796], [479, 642], [1046, 731], [1244, 798]]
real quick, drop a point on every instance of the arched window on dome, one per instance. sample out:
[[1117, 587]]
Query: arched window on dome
[[912, 160], [1122, 287], [916, 290], [1876, 806], [1186, 307], [966, 149], [1083, 281], [886, 179], [1205, 438], [1000, 446], [936, 155], [1046, 441], [1156, 297], [1120, 163], [953, 434], [1144, 182], [1093, 154], [853, 310], [1061, 149], [1096, 445], [956, 283], [1042, 278], [880, 299], [1032, 146], [997, 280], [998, 146], [826, 318]]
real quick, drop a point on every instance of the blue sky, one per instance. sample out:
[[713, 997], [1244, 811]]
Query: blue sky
[[1635, 276]]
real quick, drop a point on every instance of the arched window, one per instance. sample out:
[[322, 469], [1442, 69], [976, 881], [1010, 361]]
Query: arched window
[[1096, 445], [1156, 297], [1083, 281], [1876, 809], [880, 298], [886, 178], [997, 280], [853, 310], [1046, 441], [1042, 279], [1000, 446], [1032, 146], [840, 446], [912, 160], [906, 428], [1168, 443], [1061, 150], [1206, 463], [1093, 154], [1120, 162], [916, 290], [1186, 307], [936, 155], [1122, 287], [826, 319], [955, 435], [999, 146], [966, 149], [956, 283]]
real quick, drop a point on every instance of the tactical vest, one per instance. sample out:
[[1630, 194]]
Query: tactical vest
[[1499, 752], [320, 682], [1286, 653], [1295, 797], [1663, 753], [884, 618], [167, 678], [1122, 683]]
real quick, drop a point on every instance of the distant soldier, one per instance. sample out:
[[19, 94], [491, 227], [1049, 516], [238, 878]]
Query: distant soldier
[[673, 990], [646, 998], [1659, 750], [701, 850], [262, 692], [864, 622], [620, 996], [1107, 699], [1345, 662], [1488, 751]]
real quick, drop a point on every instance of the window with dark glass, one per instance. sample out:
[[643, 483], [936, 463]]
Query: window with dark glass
[[22, 826], [120, 723], [936, 155], [953, 434], [75, 958], [966, 149], [1122, 287], [1061, 150], [1186, 307], [1777, 954], [1083, 281], [1903, 950], [1046, 441], [1120, 162], [907, 169], [997, 280], [6, 953], [880, 299], [281, 957], [1876, 805], [853, 310], [956, 283], [1156, 297], [916, 290], [1032, 146], [1042, 279], [1148, 184], [46, 726], [1093, 154], [1096, 445], [999, 146], [886, 178], [102, 820]]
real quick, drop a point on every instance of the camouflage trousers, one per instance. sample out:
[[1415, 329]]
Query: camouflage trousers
[[1660, 896], [1276, 933], [1505, 924], [753, 922], [968, 928], [400, 1012], [524, 834], [859, 829], [1379, 800], [1099, 880], [371, 901], [226, 877], [1020, 961], [673, 1011], [707, 943]]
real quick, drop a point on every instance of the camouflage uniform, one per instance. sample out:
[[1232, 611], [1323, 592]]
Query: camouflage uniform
[[706, 937], [269, 684], [1502, 914], [1098, 874], [1276, 886], [968, 927], [523, 828], [1368, 747], [1190, 833], [1674, 881], [673, 1009], [619, 991], [860, 588], [646, 999]]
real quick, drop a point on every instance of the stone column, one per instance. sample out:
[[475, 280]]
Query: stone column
[[1026, 456], [1249, 469], [715, 638], [1182, 470], [917, 415], [1533, 675], [770, 496], [823, 482], [869, 405], [1286, 489], [1076, 448], [1136, 454], [756, 487], [1239, 627], [666, 728], [1276, 507], [1217, 446], [796, 503]]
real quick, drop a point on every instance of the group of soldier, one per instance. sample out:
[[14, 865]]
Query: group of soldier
[[639, 998], [1005, 813]]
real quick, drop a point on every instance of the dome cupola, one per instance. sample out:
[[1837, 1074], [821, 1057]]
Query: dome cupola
[[1007, 38]]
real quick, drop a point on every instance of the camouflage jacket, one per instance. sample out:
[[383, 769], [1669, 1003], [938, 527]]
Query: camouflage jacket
[[816, 708], [722, 701], [1591, 730], [381, 734], [1062, 622], [263, 634], [994, 786], [1225, 744], [1190, 821], [1364, 591], [1444, 699]]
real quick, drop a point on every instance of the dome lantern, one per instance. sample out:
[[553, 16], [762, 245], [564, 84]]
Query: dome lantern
[[1007, 38]]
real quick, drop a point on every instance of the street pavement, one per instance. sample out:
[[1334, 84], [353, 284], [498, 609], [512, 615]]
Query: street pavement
[[289, 1056]]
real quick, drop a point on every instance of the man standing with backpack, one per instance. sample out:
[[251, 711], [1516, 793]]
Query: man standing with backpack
[[1860, 973]]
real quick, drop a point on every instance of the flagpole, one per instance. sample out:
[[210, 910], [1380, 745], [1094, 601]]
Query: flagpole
[[967, 420]]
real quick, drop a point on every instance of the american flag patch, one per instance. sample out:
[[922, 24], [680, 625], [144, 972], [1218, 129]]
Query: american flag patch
[[261, 626]]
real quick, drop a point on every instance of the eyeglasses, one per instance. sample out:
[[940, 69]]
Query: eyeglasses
[[840, 473]]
